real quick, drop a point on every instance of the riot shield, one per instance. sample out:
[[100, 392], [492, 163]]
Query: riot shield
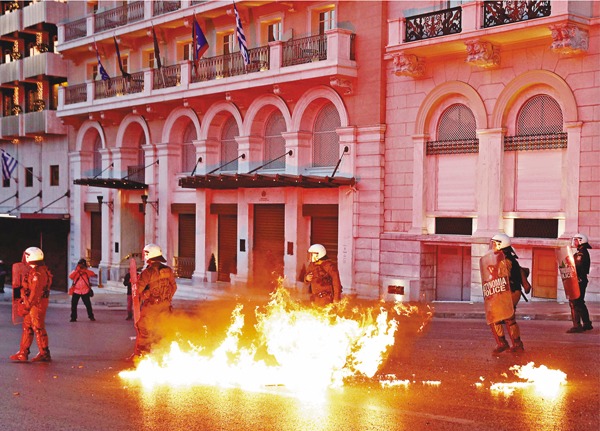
[[16, 300], [497, 298], [134, 292], [568, 273]]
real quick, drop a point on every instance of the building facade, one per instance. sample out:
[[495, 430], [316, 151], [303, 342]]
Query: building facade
[[401, 135]]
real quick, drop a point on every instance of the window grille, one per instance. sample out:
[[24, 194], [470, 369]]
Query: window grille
[[540, 115], [539, 126], [456, 132], [274, 142], [325, 138], [229, 146], [453, 225], [536, 228], [188, 151]]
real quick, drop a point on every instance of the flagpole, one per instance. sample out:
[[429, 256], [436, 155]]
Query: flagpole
[[26, 168]]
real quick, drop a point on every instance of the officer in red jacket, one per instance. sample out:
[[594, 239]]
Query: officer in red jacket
[[156, 286], [34, 303], [322, 273]]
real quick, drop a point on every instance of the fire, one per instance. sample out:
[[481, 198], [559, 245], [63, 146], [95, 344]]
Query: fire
[[545, 381], [307, 348]]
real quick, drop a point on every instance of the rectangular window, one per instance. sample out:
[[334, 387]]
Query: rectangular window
[[5, 182], [151, 60], [536, 228], [274, 31], [227, 41], [125, 62], [29, 177], [453, 226], [326, 20], [188, 52], [54, 175]]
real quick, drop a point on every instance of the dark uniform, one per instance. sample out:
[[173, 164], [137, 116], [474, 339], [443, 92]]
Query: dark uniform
[[579, 311], [156, 287], [325, 285]]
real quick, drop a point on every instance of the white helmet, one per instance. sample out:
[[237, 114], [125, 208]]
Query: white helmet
[[33, 254], [581, 237], [153, 251], [502, 240], [316, 252]]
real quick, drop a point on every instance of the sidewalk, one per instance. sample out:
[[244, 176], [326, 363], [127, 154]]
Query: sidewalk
[[186, 297]]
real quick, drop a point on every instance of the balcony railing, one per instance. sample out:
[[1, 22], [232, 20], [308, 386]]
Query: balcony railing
[[119, 16], [433, 24], [224, 66], [507, 12], [76, 29], [118, 86], [162, 7], [168, 76], [75, 94], [305, 50]]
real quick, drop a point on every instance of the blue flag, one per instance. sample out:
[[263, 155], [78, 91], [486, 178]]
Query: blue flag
[[101, 69], [9, 164], [200, 42], [241, 37]]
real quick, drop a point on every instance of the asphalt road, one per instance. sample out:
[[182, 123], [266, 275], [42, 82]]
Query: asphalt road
[[446, 373]]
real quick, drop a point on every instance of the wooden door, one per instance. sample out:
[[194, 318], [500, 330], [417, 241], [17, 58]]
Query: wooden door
[[544, 274], [452, 283]]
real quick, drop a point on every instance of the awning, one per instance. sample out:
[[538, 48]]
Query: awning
[[111, 183], [252, 181]]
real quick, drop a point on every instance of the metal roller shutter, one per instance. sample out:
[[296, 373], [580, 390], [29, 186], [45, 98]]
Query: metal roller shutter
[[268, 248], [227, 247], [187, 245], [324, 230]]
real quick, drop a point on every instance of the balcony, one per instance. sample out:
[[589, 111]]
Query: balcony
[[9, 127], [11, 22], [47, 63], [318, 58], [42, 123], [10, 72], [477, 28], [44, 12]]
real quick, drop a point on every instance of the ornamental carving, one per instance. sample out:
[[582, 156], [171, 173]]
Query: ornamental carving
[[568, 39], [408, 65], [482, 54]]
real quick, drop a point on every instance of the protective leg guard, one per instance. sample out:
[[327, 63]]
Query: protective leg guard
[[41, 337], [517, 346], [501, 343]]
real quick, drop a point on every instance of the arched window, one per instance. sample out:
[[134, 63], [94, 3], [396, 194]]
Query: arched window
[[540, 115], [188, 150], [274, 142], [325, 139], [229, 146], [457, 123], [97, 155]]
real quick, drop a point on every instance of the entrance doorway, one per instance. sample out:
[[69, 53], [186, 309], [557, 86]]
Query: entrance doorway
[[544, 273], [268, 248], [453, 278]]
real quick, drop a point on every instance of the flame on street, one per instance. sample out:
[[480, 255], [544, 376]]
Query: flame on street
[[545, 381], [308, 348]]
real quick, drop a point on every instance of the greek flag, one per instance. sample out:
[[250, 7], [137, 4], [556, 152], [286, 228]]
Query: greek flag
[[101, 69], [9, 164], [241, 37]]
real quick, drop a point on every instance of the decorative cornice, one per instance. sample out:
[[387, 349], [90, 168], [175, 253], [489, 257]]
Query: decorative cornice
[[408, 65], [568, 39], [482, 54]]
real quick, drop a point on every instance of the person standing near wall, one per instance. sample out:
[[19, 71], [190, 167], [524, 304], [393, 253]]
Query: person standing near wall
[[81, 288], [323, 277], [579, 311]]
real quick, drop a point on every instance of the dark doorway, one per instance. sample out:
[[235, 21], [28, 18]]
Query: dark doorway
[[269, 238]]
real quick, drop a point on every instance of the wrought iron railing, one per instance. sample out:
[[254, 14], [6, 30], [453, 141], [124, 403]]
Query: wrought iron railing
[[119, 16], [136, 173], [506, 12], [224, 66], [460, 146], [75, 29], [433, 24], [535, 142], [75, 94], [304, 50], [119, 86], [162, 7], [167, 76]]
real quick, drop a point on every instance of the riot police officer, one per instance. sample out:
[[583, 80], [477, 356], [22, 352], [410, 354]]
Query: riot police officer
[[579, 311], [34, 301], [501, 243], [155, 287], [322, 273]]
